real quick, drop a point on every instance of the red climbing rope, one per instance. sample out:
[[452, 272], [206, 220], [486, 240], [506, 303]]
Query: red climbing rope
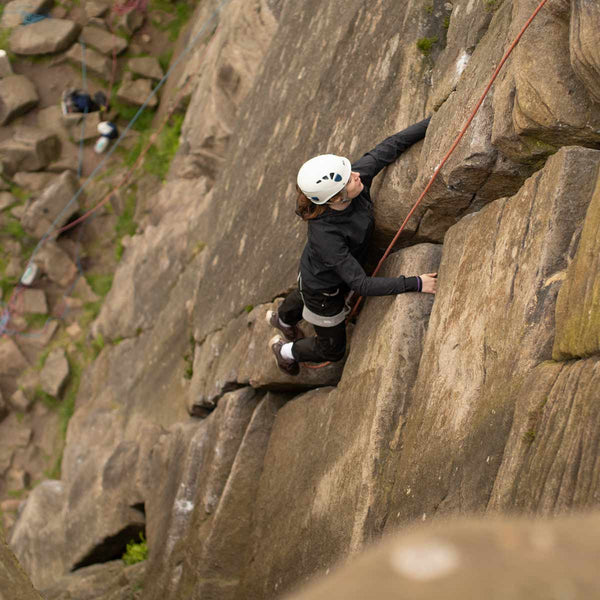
[[445, 159]]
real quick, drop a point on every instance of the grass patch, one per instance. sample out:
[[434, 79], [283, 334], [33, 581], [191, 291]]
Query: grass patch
[[14, 229], [127, 112], [97, 345], [36, 320], [529, 436], [40, 395], [424, 45], [446, 22], [428, 8], [159, 156], [164, 60], [90, 311], [136, 551], [100, 284], [491, 5]]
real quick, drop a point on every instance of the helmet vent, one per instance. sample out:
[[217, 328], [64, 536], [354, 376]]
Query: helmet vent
[[331, 175], [325, 177], [338, 177]]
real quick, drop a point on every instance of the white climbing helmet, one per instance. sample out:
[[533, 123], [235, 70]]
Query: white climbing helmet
[[323, 176]]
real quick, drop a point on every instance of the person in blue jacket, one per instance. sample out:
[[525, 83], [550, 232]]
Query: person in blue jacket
[[334, 198]]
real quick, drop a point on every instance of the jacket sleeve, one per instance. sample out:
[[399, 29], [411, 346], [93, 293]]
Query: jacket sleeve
[[388, 151], [350, 271]]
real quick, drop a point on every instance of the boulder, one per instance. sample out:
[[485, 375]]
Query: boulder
[[136, 92], [56, 205], [17, 96], [5, 67], [518, 559], [583, 46], [131, 21], [102, 40], [20, 402], [15, 583], [12, 362], [3, 407], [98, 64], [47, 36], [30, 149], [15, 10], [96, 8], [55, 372], [146, 66], [34, 182], [82, 126], [38, 541], [32, 301], [6, 200]]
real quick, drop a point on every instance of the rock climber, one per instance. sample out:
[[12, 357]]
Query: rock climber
[[334, 198]]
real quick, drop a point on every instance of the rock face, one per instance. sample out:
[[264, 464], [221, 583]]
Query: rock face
[[15, 583], [30, 149], [102, 40], [14, 11], [97, 63], [47, 36], [480, 400]]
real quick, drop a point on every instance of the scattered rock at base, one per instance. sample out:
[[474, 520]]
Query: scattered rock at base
[[94, 9], [20, 402], [14, 11], [47, 36], [30, 149], [33, 301], [95, 62], [54, 206], [136, 92], [17, 96], [147, 67], [103, 41], [56, 264], [6, 199], [33, 182], [5, 67], [55, 372], [12, 362], [82, 126]]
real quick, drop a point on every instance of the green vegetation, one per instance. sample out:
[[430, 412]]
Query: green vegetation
[[136, 552], [159, 156], [127, 112], [100, 284], [14, 229], [425, 45], [428, 8], [446, 22], [177, 16], [164, 60], [36, 320], [529, 436], [491, 5], [97, 344], [125, 223], [188, 357], [248, 308]]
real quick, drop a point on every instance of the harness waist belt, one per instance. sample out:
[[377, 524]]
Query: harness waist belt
[[314, 319]]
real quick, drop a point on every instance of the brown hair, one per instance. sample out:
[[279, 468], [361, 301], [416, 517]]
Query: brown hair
[[306, 209]]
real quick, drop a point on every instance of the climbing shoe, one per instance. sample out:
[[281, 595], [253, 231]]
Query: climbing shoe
[[291, 333], [289, 367]]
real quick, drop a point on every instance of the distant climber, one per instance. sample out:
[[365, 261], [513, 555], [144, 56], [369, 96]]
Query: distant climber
[[334, 198], [108, 131], [77, 101]]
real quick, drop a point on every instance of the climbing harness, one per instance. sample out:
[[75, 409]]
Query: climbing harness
[[444, 160]]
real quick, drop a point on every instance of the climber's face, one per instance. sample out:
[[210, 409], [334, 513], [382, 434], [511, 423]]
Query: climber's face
[[354, 186]]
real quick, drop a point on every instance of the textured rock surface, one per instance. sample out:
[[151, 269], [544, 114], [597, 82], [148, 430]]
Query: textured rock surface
[[47, 36], [13, 11], [102, 40], [17, 96], [97, 63], [146, 66], [30, 149], [513, 559], [585, 53], [55, 372], [136, 92], [510, 255], [15, 583]]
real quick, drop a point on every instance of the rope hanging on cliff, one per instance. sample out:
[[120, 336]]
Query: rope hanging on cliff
[[445, 159]]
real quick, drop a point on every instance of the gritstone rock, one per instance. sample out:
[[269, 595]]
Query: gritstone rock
[[136, 92], [95, 9], [20, 402], [6, 199], [17, 96], [15, 583], [33, 301], [30, 149], [96, 63], [34, 182], [103, 41], [585, 50], [47, 36], [12, 362], [5, 68], [55, 373], [147, 67], [15, 11]]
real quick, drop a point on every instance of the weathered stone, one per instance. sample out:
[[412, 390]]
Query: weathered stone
[[549, 464], [5, 67], [463, 405], [110, 581], [6, 199], [47, 36], [17, 479], [15, 583], [509, 558], [55, 372], [34, 182], [3, 408], [82, 126], [20, 402], [33, 301], [584, 51], [578, 304], [94, 8], [30, 149], [102, 40], [146, 66], [96, 63], [15, 11], [136, 92], [55, 206], [333, 505], [17, 96], [38, 541], [12, 361], [131, 21]]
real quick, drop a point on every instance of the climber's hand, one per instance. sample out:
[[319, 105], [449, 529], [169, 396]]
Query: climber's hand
[[429, 283]]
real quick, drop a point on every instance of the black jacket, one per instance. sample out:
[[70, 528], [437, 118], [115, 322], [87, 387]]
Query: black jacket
[[337, 240]]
